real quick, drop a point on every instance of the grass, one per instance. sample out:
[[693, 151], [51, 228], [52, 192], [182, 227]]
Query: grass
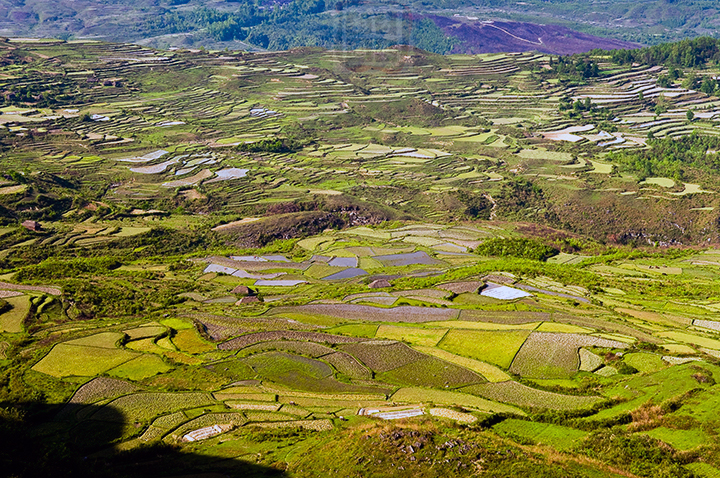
[[557, 436], [107, 340], [412, 335], [66, 360], [680, 439], [431, 372], [383, 357], [524, 396], [140, 368], [703, 406], [644, 362], [490, 372], [704, 470], [497, 348], [146, 406], [443, 397], [464, 324], [12, 320], [692, 339], [660, 386], [188, 340], [300, 373]]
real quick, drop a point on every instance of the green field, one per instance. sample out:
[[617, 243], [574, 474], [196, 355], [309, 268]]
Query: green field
[[497, 348], [12, 320], [559, 437], [279, 263]]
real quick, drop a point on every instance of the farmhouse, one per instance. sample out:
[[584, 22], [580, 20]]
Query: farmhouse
[[32, 225]]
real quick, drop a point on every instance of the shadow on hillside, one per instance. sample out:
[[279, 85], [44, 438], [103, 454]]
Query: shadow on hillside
[[47, 443]]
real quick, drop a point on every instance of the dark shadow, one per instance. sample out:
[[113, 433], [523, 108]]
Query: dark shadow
[[37, 441]]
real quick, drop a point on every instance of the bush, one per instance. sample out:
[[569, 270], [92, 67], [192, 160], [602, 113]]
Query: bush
[[270, 145], [56, 269], [521, 248], [640, 454]]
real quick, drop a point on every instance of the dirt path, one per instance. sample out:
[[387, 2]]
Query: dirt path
[[515, 36], [34, 288], [493, 211]]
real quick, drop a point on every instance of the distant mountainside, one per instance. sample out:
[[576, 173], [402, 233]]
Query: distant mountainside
[[495, 37], [552, 26]]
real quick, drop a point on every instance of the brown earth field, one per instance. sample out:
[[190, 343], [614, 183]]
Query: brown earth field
[[504, 37]]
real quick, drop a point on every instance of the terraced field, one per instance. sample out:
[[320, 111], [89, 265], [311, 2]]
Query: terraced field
[[279, 251]]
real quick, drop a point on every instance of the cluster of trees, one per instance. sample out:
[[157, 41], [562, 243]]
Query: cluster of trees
[[638, 453], [574, 109], [522, 248], [53, 269], [578, 66], [685, 53], [707, 84], [236, 25], [301, 23], [426, 35], [670, 156], [270, 145], [476, 205], [41, 94]]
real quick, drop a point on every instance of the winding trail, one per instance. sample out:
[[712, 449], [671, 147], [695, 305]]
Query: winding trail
[[493, 211], [540, 42]]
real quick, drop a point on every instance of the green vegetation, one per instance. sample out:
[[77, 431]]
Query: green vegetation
[[270, 254], [559, 437], [497, 348], [685, 53], [522, 248]]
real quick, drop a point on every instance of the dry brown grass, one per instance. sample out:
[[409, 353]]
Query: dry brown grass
[[646, 417]]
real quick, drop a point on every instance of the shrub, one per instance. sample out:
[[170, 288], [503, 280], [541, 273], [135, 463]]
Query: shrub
[[522, 248]]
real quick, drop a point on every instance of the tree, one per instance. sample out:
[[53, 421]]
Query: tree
[[690, 115]]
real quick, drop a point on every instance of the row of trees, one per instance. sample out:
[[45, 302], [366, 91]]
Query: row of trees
[[578, 66], [671, 156], [685, 53]]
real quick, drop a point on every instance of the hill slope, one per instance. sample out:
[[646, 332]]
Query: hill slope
[[498, 37]]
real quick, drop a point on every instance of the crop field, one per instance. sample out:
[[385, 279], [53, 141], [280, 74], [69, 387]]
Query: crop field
[[12, 320], [68, 360], [497, 348], [252, 247], [549, 355], [383, 356], [524, 396], [433, 373], [411, 335]]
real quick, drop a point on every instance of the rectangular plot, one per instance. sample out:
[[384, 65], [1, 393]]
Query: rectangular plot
[[413, 335], [12, 320], [75, 360], [382, 357], [496, 347]]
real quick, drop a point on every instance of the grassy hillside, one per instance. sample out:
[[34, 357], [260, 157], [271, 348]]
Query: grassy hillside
[[384, 262]]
